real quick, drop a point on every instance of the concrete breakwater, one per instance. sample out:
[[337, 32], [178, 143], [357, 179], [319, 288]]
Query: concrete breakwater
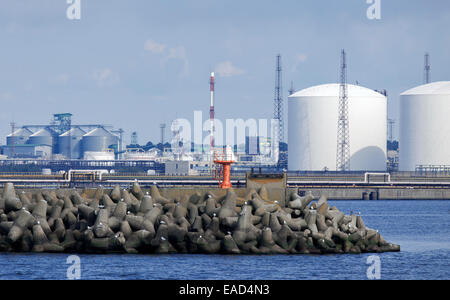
[[137, 221]]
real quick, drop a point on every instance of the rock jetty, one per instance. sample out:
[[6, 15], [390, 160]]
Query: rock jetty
[[137, 221]]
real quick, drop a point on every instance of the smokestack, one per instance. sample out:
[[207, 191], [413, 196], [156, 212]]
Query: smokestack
[[211, 111]]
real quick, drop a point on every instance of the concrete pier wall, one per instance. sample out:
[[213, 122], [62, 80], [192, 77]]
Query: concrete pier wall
[[282, 194], [381, 194], [415, 194]]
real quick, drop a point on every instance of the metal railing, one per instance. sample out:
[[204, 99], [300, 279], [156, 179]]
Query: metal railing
[[222, 155], [442, 170]]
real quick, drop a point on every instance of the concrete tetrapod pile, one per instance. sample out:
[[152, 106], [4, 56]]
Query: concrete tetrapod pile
[[134, 221]]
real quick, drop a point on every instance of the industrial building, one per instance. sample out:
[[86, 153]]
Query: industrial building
[[313, 126], [258, 145], [43, 151], [62, 139], [424, 127]]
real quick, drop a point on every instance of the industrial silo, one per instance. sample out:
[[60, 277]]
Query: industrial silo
[[425, 126], [98, 140], [313, 125], [20, 136], [41, 137], [69, 143]]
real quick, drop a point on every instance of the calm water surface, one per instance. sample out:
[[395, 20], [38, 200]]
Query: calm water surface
[[422, 228]]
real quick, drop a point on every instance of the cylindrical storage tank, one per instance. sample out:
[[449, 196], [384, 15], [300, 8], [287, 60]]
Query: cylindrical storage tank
[[424, 126], [20, 136], [101, 155], [98, 140], [69, 143], [313, 128], [41, 137]]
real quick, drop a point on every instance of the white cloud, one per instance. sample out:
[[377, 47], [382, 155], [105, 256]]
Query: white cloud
[[61, 78], [5, 96], [154, 47], [159, 98], [298, 59], [301, 57], [168, 53], [226, 69], [105, 77], [180, 54], [177, 53]]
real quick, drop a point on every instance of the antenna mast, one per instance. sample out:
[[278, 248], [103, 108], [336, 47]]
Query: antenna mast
[[391, 123], [134, 138], [13, 129], [278, 100], [343, 139], [211, 110], [427, 69], [291, 90], [162, 126]]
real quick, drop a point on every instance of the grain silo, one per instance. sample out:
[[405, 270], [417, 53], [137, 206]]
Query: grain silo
[[313, 125], [424, 126], [98, 140], [69, 143], [20, 136], [41, 137]]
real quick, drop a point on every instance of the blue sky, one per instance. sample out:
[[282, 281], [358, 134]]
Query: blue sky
[[135, 64]]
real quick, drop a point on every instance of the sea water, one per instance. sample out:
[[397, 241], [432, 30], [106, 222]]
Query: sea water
[[421, 228]]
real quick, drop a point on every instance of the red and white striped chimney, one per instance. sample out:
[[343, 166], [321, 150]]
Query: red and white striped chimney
[[211, 111]]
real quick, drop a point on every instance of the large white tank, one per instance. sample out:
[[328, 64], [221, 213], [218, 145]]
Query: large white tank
[[313, 124], [425, 126], [98, 155], [69, 143], [98, 140], [19, 137], [41, 137]]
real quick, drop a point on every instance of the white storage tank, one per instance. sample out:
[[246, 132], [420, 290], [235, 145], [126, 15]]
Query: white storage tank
[[98, 155], [98, 140], [313, 125], [19, 137], [41, 137], [425, 126], [69, 143]]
